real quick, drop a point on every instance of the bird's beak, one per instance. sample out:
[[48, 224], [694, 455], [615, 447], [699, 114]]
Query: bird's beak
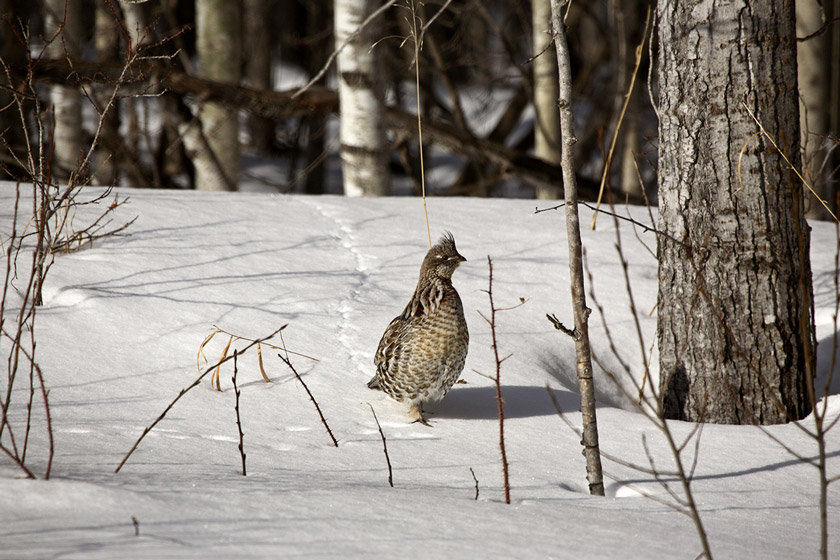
[[461, 258]]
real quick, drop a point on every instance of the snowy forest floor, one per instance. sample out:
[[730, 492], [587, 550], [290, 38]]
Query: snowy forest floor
[[121, 327]]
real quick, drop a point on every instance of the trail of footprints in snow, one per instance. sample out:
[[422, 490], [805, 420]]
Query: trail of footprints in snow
[[347, 305]]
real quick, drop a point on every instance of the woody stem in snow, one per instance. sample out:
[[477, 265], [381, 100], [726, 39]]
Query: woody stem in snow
[[580, 334]]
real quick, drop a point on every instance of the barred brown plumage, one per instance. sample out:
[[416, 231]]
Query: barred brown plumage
[[422, 353]]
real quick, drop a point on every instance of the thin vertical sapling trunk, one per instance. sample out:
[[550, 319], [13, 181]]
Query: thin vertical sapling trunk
[[497, 380], [580, 334]]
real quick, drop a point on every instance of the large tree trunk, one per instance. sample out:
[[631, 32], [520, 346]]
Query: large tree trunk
[[736, 333], [258, 67], [361, 90], [216, 145], [546, 115], [66, 100]]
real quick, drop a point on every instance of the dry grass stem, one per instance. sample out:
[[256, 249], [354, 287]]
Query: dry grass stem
[[608, 162], [792, 167]]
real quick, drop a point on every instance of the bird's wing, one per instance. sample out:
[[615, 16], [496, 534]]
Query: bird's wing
[[392, 342]]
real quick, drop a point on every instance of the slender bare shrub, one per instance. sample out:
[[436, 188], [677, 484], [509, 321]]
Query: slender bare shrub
[[45, 222]]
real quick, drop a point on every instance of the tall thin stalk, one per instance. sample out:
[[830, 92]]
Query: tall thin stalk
[[580, 334]]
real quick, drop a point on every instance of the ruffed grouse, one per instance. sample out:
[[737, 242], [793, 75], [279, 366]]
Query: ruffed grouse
[[423, 350]]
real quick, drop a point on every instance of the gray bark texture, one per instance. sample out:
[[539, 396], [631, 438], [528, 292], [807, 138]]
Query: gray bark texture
[[735, 316], [583, 350]]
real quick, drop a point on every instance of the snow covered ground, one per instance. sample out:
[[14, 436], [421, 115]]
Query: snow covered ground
[[122, 323]]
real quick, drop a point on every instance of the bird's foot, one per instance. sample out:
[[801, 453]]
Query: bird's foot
[[416, 414]]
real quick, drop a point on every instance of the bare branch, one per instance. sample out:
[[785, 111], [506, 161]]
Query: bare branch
[[384, 447], [311, 397]]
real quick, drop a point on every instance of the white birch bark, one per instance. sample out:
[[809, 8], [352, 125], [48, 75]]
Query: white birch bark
[[66, 100], [106, 42], [364, 149], [546, 115], [216, 156]]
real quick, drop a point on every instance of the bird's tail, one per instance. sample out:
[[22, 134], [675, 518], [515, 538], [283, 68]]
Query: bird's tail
[[374, 383]]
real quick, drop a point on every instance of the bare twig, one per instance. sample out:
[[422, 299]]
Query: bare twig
[[18, 462], [384, 447], [311, 397], [472, 472], [238, 419], [379, 11]]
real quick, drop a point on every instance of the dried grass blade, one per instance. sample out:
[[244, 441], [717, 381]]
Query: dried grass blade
[[260, 361], [219, 367], [201, 348]]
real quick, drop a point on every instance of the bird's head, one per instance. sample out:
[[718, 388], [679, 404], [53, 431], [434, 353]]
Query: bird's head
[[442, 259]]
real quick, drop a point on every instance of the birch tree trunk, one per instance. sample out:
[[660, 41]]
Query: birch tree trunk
[[583, 351], [735, 319], [106, 42], [216, 154], [361, 90], [66, 100], [546, 115]]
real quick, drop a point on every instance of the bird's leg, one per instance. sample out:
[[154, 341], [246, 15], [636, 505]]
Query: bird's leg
[[416, 414]]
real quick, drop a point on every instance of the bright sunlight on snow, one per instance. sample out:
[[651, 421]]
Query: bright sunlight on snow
[[118, 338]]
